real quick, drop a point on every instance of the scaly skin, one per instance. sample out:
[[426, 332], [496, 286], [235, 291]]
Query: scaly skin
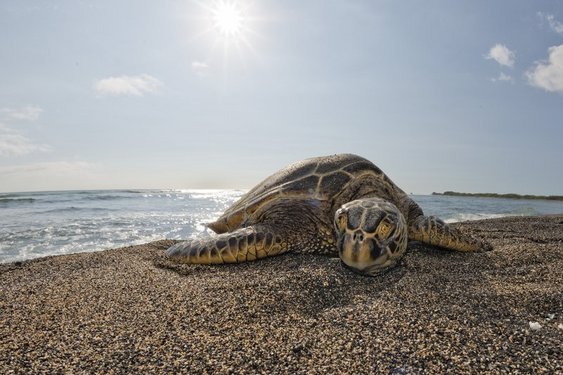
[[433, 231], [242, 245]]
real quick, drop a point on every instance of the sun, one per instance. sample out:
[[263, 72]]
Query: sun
[[230, 28], [228, 18]]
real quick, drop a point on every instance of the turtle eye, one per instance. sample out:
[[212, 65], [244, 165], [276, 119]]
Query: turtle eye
[[384, 229]]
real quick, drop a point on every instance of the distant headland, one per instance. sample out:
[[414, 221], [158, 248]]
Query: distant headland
[[509, 196]]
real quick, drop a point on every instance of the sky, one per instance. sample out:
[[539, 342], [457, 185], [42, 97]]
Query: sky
[[441, 95]]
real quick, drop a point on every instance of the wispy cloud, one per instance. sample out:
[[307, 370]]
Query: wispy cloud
[[13, 142], [548, 75], [200, 68], [552, 22], [503, 78], [501, 54], [28, 113], [51, 168], [128, 85]]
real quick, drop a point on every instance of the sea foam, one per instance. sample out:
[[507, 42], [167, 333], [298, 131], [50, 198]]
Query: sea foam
[[52, 223]]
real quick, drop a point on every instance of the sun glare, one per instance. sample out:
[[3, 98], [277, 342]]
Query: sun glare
[[228, 18], [230, 27]]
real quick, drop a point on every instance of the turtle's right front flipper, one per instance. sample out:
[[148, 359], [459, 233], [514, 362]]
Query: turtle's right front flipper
[[242, 245], [433, 231]]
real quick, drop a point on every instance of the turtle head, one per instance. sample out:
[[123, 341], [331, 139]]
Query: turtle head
[[371, 235]]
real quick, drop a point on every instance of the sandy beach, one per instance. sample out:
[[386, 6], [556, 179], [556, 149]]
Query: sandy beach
[[129, 310]]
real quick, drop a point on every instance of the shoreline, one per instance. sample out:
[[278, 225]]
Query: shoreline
[[131, 310], [551, 198], [142, 243]]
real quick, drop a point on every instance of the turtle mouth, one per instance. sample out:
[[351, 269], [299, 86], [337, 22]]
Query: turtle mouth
[[359, 249], [371, 271]]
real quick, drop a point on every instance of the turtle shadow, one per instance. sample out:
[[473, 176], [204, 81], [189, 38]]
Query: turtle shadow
[[185, 270], [340, 288], [316, 284], [287, 284]]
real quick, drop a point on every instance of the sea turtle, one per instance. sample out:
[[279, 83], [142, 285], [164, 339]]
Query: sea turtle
[[340, 204]]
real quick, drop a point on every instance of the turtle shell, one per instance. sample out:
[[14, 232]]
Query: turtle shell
[[319, 178]]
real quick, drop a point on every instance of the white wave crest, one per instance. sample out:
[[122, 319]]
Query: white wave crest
[[474, 216]]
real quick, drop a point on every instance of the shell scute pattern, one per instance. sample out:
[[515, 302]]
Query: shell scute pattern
[[318, 178], [304, 185], [332, 183], [360, 166], [334, 163], [297, 171]]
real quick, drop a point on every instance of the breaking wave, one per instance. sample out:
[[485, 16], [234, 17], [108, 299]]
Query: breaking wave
[[475, 216], [14, 201], [51, 223]]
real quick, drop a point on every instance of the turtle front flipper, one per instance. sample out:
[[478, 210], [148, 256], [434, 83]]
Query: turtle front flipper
[[433, 231], [242, 245]]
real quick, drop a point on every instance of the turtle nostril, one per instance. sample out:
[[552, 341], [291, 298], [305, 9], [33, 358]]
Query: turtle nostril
[[358, 236]]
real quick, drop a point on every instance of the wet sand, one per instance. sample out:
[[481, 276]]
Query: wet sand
[[129, 310]]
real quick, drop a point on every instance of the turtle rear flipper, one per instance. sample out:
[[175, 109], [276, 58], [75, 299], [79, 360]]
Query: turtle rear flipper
[[242, 245], [433, 231]]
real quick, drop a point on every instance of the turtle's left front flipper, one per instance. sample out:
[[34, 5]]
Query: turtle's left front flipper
[[242, 245], [433, 231]]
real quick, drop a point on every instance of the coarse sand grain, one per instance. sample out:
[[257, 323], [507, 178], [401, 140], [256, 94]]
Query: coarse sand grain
[[130, 310]]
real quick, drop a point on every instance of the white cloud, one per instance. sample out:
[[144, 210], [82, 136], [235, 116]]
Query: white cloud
[[12, 142], [28, 113], [15, 144], [548, 75], [552, 22], [501, 54], [128, 85], [503, 78], [199, 68]]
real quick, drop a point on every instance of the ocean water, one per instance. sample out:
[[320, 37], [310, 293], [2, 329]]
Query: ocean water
[[39, 224]]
